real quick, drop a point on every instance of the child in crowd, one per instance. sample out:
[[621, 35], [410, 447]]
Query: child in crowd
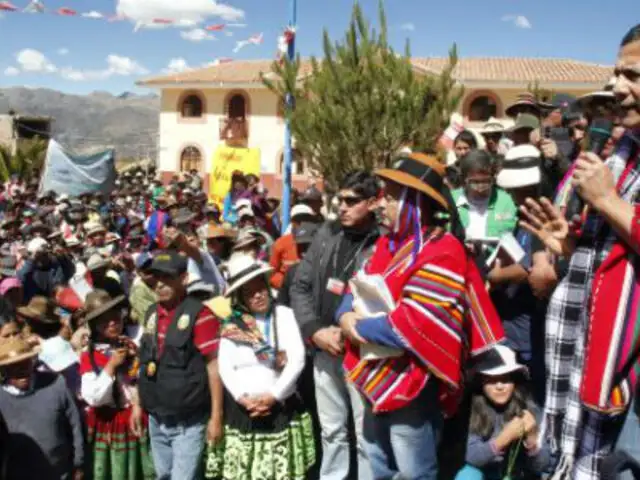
[[503, 429]]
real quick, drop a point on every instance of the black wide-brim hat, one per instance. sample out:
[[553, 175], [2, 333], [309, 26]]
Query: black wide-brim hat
[[421, 172]]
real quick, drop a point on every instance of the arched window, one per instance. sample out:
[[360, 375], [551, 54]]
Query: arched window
[[298, 166], [482, 108], [237, 106], [191, 159], [192, 106]]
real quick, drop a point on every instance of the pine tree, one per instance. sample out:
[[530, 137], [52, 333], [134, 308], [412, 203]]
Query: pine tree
[[362, 102]]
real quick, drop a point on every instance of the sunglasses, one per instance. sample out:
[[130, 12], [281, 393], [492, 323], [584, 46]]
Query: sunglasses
[[350, 201]]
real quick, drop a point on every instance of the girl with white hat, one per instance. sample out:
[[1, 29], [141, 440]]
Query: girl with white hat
[[503, 429], [268, 433]]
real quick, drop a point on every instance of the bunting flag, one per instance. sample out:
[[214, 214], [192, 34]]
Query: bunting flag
[[252, 40], [92, 14], [69, 12], [34, 7], [215, 28], [8, 7], [162, 21]]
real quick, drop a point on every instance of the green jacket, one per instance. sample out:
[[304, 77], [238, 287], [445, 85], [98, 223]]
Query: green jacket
[[502, 212]]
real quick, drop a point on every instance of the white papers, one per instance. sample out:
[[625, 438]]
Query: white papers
[[372, 298], [509, 248]]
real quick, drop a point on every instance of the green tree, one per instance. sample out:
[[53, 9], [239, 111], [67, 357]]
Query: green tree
[[27, 159], [362, 102]]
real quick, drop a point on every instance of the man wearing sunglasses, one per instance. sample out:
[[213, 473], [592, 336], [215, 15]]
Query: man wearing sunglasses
[[339, 249]]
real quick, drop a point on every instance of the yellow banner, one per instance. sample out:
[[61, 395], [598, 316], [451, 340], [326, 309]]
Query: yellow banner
[[226, 160]]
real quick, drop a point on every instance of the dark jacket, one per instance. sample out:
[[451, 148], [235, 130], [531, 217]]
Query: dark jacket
[[37, 281], [313, 272]]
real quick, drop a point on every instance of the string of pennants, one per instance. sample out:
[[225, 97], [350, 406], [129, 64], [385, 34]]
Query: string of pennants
[[36, 6]]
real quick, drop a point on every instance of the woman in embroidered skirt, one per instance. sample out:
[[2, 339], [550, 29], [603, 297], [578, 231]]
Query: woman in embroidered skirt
[[108, 367], [268, 433]]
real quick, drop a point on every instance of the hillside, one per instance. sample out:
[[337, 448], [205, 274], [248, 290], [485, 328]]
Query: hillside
[[85, 123]]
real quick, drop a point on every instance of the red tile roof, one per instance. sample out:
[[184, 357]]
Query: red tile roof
[[485, 69]]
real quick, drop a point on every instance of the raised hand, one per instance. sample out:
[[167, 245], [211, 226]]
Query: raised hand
[[546, 222]]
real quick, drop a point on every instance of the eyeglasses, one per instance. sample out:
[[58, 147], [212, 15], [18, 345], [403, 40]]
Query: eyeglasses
[[350, 201], [479, 183]]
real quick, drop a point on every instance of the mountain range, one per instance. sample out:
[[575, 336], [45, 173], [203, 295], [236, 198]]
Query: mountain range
[[88, 123]]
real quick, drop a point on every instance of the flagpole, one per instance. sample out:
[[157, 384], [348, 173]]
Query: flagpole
[[288, 151]]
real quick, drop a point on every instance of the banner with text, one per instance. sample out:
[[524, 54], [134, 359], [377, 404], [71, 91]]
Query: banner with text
[[226, 160]]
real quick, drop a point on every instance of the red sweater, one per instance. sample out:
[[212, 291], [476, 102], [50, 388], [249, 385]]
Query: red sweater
[[284, 253]]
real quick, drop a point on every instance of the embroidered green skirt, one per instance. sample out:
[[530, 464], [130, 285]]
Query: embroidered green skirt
[[278, 447], [116, 453]]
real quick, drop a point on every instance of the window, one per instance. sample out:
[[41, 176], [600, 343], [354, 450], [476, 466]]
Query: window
[[192, 107], [191, 159], [237, 106], [298, 166], [482, 109]]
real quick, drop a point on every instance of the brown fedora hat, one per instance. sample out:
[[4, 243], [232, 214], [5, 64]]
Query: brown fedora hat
[[40, 309], [99, 302], [420, 172], [16, 350]]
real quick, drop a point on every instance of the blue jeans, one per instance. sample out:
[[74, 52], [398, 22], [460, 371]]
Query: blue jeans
[[177, 448], [629, 439], [334, 398], [403, 443]]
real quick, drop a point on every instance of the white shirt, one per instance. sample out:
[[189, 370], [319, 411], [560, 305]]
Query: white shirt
[[478, 215], [96, 389], [244, 374]]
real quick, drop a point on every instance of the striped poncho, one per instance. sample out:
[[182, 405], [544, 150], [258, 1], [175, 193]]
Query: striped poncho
[[442, 315]]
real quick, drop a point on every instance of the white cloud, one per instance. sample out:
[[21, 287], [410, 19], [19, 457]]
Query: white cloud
[[408, 27], [124, 66], [31, 60], [192, 11], [196, 35], [63, 51], [519, 21], [176, 65], [11, 72], [237, 25], [116, 66], [228, 33]]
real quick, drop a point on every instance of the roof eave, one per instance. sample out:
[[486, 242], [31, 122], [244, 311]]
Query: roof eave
[[200, 85], [505, 84]]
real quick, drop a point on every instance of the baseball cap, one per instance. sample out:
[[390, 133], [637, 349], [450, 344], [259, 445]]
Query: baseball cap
[[305, 232], [169, 262], [301, 209]]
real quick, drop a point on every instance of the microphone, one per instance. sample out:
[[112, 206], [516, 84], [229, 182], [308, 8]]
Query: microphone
[[599, 134]]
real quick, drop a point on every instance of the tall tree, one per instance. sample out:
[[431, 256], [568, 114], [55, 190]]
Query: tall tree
[[27, 159], [362, 102]]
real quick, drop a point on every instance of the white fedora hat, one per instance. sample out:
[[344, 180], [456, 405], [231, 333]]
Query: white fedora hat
[[500, 360], [243, 268], [520, 168]]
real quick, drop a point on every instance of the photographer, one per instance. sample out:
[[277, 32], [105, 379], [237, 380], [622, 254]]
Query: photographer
[[44, 270]]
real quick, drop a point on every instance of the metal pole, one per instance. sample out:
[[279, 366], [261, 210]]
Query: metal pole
[[288, 151]]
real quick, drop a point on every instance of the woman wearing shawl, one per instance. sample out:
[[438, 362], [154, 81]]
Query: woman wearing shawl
[[441, 311], [239, 191], [268, 434], [108, 368]]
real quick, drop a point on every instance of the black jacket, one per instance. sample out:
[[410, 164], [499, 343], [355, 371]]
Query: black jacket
[[312, 275]]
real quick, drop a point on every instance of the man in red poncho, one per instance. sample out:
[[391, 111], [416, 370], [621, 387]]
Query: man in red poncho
[[441, 312]]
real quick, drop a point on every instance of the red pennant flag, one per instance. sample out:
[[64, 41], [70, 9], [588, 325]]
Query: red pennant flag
[[67, 11], [8, 7], [162, 21], [225, 60], [215, 28]]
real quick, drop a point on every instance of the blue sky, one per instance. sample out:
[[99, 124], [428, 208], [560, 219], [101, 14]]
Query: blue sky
[[80, 55]]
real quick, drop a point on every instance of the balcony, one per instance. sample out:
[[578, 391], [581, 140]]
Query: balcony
[[234, 131]]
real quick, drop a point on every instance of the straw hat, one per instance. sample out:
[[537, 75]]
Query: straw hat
[[41, 309], [93, 228], [493, 125], [99, 302], [243, 268], [420, 172], [97, 261], [246, 238], [217, 231], [16, 350]]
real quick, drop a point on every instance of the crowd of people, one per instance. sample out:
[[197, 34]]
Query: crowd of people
[[429, 320]]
